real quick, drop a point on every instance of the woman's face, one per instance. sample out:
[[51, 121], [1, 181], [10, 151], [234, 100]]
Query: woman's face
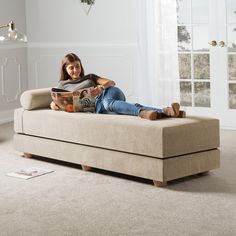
[[74, 69]]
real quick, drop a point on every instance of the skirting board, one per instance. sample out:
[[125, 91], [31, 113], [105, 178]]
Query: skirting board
[[121, 162]]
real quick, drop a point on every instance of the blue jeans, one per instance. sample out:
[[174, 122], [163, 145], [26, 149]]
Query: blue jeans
[[112, 100]]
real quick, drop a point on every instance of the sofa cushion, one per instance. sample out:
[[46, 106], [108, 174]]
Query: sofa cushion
[[160, 139], [36, 99]]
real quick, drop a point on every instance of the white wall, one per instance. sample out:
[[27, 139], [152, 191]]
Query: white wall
[[13, 60], [109, 21], [105, 40]]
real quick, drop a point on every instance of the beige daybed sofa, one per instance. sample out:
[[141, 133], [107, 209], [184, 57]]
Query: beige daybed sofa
[[160, 150]]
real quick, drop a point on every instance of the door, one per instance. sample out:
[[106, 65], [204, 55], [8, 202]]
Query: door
[[207, 58]]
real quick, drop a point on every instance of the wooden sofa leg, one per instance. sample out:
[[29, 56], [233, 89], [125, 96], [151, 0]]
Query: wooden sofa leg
[[86, 168], [159, 183], [27, 155]]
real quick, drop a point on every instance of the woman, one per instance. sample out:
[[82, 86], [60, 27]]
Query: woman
[[109, 99]]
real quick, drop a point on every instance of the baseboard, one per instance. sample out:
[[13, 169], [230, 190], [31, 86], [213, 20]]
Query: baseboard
[[6, 116]]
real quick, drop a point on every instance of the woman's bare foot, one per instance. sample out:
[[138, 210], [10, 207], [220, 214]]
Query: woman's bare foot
[[172, 111], [182, 114], [150, 114], [176, 108]]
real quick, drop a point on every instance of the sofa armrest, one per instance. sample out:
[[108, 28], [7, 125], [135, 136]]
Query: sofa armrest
[[36, 98]]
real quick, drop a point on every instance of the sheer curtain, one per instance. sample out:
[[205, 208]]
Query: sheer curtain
[[158, 75]]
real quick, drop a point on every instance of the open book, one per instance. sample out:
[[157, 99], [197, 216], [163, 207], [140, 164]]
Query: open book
[[81, 100], [29, 173]]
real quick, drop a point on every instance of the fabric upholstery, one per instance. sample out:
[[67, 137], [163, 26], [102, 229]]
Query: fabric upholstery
[[35, 99], [126, 163], [160, 139], [18, 120]]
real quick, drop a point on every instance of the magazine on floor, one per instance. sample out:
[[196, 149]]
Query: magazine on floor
[[29, 173]]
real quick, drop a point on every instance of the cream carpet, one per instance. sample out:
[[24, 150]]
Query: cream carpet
[[70, 201]]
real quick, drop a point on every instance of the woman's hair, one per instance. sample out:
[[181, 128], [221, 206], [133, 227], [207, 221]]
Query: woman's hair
[[68, 59]]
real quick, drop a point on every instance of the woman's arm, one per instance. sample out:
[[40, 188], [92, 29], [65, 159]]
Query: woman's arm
[[102, 84], [106, 83]]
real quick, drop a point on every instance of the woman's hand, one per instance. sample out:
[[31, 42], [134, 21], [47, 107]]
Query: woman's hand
[[97, 90], [54, 106]]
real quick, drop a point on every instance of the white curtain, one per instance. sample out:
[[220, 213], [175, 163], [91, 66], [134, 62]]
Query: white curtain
[[158, 74]]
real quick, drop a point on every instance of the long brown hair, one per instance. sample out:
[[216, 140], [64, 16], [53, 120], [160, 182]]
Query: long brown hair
[[68, 59]]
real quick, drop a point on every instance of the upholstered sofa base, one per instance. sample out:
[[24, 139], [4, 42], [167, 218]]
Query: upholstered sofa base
[[158, 170]]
